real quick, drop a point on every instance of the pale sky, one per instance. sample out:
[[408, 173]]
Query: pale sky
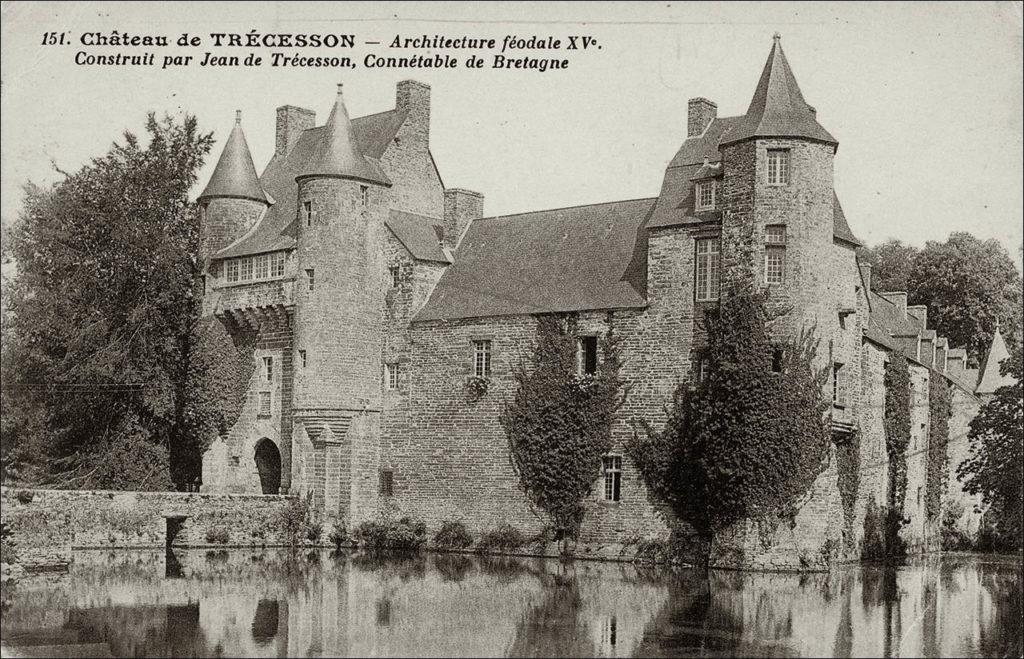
[[924, 98]]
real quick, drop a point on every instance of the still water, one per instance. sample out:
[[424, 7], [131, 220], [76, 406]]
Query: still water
[[267, 604]]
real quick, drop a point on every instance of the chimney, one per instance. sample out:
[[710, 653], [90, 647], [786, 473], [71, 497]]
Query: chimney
[[956, 364], [865, 274], [291, 121], [415, 97], [460, 208], [941, 348], [921, 312], [899, 298], [700, 112]]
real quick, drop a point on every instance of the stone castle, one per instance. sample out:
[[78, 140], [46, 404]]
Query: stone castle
[[386, 314]]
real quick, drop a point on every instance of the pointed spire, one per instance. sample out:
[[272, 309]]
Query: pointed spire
[[337, 154], [991, 379], [235, 175], [778, 108]]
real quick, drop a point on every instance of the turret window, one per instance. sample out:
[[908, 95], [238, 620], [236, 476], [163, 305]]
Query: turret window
[[364, 195], [706, 193], [775, 254], [778, 166], [706, 272], [307, 210], [396, 276], [268, 369], [391, 376], [254, 268]]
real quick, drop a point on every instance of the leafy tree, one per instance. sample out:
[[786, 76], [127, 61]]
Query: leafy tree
[[101, 330], [996, 459], [559, 424], [749, 439], [892, 263]]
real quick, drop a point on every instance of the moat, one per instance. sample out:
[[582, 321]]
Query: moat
[[267, 603]]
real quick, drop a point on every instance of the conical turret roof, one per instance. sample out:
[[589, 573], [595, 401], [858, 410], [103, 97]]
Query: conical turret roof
[[991, 378], [778, 108], [337, 153], [235, 175]]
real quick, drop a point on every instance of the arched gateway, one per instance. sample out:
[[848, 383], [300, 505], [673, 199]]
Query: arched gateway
[[268, 464]]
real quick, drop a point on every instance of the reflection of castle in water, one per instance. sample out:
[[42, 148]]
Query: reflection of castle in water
[[263, 605]]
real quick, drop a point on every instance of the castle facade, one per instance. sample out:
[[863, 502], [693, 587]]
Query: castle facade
[[376, 301]]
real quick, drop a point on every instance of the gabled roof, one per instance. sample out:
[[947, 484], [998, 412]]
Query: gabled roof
[[991, 378], [568, 259], [338, 153], [235, 175], [778, 108], [840, 227], [419, 234], [277, 229]]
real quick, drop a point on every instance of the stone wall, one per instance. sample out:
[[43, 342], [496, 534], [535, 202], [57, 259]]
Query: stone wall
[[46, 522]]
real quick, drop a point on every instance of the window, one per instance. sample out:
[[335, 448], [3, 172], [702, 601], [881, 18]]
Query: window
[[268, 369], [586, 355], [919, 495], [838, 385], [264, 408], [396, 276], [307, 209], [778, 166], [232, 270], [608, 632], [364, 195], [775, 254], [387, 483], [706, 273], [777, 358], [482, 358], [261, 267], [277, 264], [702, 367], [706, 191], [302, 358], [612, 477], [309, 278], [391, 376]]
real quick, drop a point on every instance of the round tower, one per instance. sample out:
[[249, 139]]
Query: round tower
[[233, 199], [778, 199], [340, 213]]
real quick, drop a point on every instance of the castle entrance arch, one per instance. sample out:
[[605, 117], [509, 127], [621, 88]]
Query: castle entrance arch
[[268, 464]]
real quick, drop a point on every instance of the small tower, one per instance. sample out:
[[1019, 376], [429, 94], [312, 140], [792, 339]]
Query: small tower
[[233, 199], [778, 197], [340, 212], [991, 377]]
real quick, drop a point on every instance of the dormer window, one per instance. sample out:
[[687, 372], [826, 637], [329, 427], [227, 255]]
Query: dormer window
[[706, 192]]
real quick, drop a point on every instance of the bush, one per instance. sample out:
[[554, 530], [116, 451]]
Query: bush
[[953, 539], [387, 534], [338, 536], [8, 548], [453, 535], [295, 519], [26, 496], [503, 538], [217, 535], [314, 530]]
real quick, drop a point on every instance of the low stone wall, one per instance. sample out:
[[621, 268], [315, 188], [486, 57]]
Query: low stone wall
[[46, 524]]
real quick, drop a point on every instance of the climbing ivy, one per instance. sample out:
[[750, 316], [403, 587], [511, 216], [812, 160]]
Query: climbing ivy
[[749, 440], [848, 477], [897, 437], [559, 424], [939, 411]]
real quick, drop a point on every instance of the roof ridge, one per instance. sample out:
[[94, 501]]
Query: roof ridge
[[564, 208], [374, 114]]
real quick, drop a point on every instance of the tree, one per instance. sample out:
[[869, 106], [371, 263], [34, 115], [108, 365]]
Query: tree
[[996, 455], [559, 424], [968, 285], [748, 440], [892, 263], [102, 327]]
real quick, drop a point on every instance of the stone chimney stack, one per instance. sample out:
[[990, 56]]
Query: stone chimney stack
[[291, 121], [899, 298], [920, 311], [700, 112], [460, 208], [414, 97]]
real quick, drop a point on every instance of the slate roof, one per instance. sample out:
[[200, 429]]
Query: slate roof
[[778, 108], [420, 235], [338, 152], [276, 230], [235, 175], [567, 259], [991, 378]]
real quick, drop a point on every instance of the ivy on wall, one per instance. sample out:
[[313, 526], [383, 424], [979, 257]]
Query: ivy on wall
[[939, 411], [848, 478], [559, 424], [748, 441], [897, 438]]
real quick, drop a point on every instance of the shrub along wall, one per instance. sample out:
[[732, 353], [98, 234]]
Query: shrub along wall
[[45, 522]]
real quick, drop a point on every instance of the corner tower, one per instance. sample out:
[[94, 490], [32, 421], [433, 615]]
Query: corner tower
[[778, 197], [341, 208], [233, 200]]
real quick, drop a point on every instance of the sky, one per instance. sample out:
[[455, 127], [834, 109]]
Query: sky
[[924, 98]]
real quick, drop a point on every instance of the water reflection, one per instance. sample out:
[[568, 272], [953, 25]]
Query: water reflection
[[241, 603]]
